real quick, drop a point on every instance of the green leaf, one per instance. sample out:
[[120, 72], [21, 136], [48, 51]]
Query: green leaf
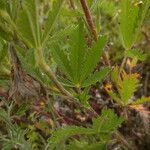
[[141, 100], [51, 18], [3, 50], [103, 126], [106, 123], [22, 109], [77, 52], [12, 8], [62, 61], [80, 145], [2, 4], [58, 36], [135, 54], [5, 33], [110, 7], [5, 118], [128, 86], [62, 134], [115, 75], [29, 64], [66, 82], [70, 13], [97, 76], [92, 58], [83, 97], [27, 22], [131, 19]]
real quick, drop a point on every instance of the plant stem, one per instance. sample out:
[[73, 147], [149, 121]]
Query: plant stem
[[92, 27], [122, 64], [89, 18], [47, 70]]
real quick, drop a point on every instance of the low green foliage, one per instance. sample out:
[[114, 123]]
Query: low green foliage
[[81, 61], [134, 12], [15, 137], [69, 49], [100, 131]]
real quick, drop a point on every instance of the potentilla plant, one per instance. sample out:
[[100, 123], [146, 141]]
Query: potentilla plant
[[46, 60]]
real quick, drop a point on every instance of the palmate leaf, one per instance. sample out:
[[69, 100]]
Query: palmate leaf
[[81, 61], [92, 58], [131, 19], [128, 86], [97, 76], [62, 134], [107, 122], [104, 124]]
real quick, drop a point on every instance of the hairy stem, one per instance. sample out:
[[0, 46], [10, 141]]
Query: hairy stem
[[47, 70], [92, 27], [89, 18]]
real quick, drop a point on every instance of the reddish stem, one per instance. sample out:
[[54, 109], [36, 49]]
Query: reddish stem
[[91, 26], [89, 18]]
